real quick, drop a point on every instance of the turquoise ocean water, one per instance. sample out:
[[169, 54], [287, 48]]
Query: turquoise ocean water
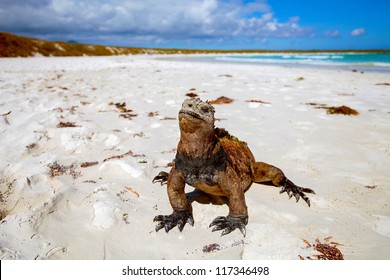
[[366, 61]]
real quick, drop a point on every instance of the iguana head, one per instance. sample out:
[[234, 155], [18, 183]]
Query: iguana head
[[196, 115]]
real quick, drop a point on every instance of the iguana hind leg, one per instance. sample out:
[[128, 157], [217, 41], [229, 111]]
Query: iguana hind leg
[[264, 173]]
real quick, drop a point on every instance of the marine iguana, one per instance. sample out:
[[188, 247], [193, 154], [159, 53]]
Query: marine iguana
[[220, 167]]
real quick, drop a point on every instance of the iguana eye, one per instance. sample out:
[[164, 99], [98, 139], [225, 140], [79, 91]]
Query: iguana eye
[[205, 109]]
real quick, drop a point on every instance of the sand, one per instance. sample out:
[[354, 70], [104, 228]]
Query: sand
[[82, 138]]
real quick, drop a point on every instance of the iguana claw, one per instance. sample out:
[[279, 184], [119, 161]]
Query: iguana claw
[[162, 177], [298, 192], [229, 224], [177, 218]]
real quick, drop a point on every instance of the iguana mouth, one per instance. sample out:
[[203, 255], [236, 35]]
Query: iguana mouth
[[191, 113]]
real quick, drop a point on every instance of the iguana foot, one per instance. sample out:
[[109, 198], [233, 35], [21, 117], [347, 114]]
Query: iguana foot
[[177, 218], [297, 192], [162, 177], [229, 224]]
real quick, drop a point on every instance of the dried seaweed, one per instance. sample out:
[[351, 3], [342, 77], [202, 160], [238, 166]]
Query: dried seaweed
[[343, 110], [153, 114], [31, 146], [88, 164], [191, 95], [257, 101], [121, 107], [133, 191], [123, 194], [328, 250], [5, 117], [126, 113], [317, 105], [383, 84], [67, 124], [211, 248], [55, 169], [222, 100], [129, 153], [139, 134], [5, 114], [125, 218], [128, 116]]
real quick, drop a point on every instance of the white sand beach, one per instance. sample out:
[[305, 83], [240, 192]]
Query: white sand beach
[[82, 138]]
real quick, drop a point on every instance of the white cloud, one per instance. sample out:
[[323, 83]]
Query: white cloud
[[332, 33], [161, 20], [358, 32]]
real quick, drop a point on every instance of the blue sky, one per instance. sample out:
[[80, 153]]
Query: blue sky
[[204, 24]]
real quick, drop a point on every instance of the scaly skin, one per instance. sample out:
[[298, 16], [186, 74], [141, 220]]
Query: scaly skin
[[220, 167]]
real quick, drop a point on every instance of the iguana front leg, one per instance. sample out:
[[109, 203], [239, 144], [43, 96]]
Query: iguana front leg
[[238, 213], [182, 213]]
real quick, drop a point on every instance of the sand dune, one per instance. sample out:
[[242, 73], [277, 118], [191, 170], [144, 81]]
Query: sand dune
[[83, 137]]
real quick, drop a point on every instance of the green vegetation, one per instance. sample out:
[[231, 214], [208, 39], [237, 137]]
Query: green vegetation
[[16, 46]]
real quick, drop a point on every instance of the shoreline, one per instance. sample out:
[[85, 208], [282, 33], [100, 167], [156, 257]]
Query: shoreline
[[213, 58], [229, 58]]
